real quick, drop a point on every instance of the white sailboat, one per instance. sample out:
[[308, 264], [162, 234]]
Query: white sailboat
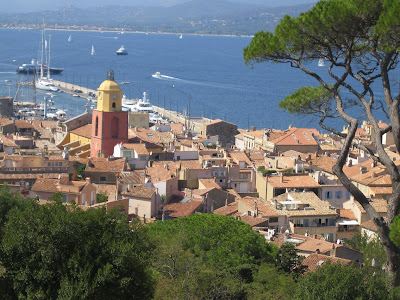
[[70, 39], [45, 83], [181, 36], [321, 62], [92, 52]]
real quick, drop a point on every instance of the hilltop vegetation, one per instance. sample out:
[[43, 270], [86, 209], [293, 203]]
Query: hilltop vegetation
[[196, 16]]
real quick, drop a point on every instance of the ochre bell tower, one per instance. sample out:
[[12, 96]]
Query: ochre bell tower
[[109, 122]]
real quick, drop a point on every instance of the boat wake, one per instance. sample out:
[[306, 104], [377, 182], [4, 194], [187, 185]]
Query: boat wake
[[210, 84]]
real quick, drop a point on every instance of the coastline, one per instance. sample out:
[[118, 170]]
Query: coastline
[[122, 31]]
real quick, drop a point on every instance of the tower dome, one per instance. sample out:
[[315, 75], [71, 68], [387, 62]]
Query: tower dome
[[109, 94]]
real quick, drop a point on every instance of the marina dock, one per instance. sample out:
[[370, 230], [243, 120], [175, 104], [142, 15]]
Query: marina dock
[[72, 89]]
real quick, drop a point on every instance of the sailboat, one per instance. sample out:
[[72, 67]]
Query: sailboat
[[181, 36], [321, 62], [92, 52], [70, 39], [45, 83]]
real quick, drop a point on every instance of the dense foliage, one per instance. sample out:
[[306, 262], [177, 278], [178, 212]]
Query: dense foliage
[[57, 251], [342, 282]]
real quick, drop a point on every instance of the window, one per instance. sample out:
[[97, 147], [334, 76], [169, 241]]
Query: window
[[273, 220], [96, 128], [92, 197], [328, 195], [347, 195], [115, 127], [113, 105], [130, 202], [103, 178], [142, 157], [83, 199], [339, 194], [127, 153], [141, 119], [64, 198]]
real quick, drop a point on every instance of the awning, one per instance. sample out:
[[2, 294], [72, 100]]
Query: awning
[[347, 222], [290, 202]]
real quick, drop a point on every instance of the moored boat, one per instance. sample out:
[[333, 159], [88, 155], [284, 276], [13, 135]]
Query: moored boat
[[122, 51]]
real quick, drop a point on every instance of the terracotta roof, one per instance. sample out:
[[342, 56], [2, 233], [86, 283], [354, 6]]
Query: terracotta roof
[[133, 177], [253, 221], [312, 245], [264, 209], [346, 214], [210, 183], [323, 162], [298, 136], [227, 210], [314, 261], [183, 209], [370, 225], [106, 189], [14, 157], [256, 133], [151, 136], [240, 156], [85, 131], [99, 164], [176, 127], [23, 124], [140, 192], [140, 149], [300, 238], [5, 121], [293, 181], [6, 141], [317, 207], [164, 170], [58, 185], [381, 190], [216, 121], [380, 205]]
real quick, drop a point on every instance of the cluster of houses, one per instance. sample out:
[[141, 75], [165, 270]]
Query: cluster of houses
[[280, 182]]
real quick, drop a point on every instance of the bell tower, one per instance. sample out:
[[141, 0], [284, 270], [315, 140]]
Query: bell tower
[[109, 122]]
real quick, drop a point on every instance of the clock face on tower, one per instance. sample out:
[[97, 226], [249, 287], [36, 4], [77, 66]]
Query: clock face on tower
[[114, 96]]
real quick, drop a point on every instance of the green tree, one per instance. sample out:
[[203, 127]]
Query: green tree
[[359, 41], [57, 251], [269, 283], [289, 261], [101, 197], [206, 256], [342, 282], [371, 248]]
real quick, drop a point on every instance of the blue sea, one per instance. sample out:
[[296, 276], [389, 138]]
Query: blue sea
[[206, 71]]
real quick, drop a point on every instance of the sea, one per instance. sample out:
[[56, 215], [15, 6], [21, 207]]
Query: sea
[[202, 75]]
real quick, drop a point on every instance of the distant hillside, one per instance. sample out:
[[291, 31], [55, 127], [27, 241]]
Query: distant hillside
[[196, 16]]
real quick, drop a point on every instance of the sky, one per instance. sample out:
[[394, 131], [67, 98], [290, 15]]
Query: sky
[[22, 6]]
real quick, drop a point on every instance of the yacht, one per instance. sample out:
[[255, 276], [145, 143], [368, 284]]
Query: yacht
[[156, 75], [34, 67], [45, 83], [122, 51]]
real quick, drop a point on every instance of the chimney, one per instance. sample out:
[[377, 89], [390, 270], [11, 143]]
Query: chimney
[[87, 179], [317, 251], [255, 209], [373, 175], [333, 251]]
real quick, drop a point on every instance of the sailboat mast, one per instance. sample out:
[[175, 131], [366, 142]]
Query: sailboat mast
[[48, 63], [42, 54]]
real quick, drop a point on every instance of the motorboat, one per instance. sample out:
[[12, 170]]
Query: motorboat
[[75, 95], [70, 39], [122, 51], [181, 36], [156, 75], [92, 52], [124, 82]]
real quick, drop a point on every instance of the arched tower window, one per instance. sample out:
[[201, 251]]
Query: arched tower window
[[113, 105], [115, 127], [96, 128]]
